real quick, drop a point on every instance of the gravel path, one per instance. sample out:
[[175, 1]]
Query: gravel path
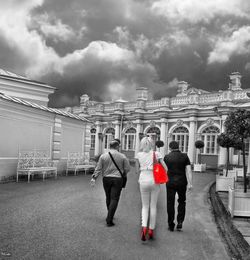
[[65, 219]]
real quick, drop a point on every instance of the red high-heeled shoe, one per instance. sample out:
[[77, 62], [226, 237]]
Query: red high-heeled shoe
[[150, 233], [143, 233]]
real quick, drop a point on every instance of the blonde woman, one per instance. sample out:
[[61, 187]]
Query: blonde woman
[[148, 189]]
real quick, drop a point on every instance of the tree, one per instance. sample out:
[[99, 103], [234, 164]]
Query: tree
[[199, 144], [237, 125], [226, 141]]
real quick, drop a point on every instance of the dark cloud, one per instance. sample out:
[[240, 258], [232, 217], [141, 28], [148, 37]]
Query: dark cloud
[[108, 48], [11, 58]]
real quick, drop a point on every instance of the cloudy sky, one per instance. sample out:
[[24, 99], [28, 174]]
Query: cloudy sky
[[107, 48]]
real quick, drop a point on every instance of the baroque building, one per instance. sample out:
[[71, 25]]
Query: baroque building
[[193, 114]]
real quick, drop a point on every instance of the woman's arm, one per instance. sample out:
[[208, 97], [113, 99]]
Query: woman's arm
[[163, 164], [137, 166]]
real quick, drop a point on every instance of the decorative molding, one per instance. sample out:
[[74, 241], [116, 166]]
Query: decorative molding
[[130, 124], [152, 123], [179, 122], [209, 121]]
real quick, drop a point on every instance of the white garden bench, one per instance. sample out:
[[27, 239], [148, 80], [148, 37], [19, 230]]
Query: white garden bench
[[35, 162], [77, 162]]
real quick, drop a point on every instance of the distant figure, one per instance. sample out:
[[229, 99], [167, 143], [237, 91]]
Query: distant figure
[[180, 179], [149, 190], [112, 180]]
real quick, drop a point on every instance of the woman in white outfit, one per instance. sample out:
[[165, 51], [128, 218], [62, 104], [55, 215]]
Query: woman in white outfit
[[149, 190]]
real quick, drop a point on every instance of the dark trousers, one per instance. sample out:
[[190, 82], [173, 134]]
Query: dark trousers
[[171, 191], [112, 187]]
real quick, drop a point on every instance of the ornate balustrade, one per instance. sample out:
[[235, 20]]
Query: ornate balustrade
[[109, 108], [239, 95], [130, 106], [175, 101], [153, 103], [198, 99], [210, 98]]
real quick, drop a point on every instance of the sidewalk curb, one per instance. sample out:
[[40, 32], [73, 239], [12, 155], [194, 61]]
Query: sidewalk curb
[[236, 244]]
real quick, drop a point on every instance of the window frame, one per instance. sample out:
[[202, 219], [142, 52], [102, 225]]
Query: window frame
[[211, 146], [127, 139]]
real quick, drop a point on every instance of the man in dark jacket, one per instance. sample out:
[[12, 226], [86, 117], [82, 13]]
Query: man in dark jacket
[[180, 179]]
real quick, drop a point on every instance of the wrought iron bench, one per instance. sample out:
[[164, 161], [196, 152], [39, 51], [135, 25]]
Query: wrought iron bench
[[77, 162], [35, 162]]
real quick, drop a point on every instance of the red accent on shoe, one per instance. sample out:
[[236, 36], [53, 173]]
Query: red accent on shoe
[[143, 233], [150, 233]]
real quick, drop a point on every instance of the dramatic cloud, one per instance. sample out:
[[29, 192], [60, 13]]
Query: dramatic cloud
[[196, 11], [237, 44], [107, 49], [54, 29]]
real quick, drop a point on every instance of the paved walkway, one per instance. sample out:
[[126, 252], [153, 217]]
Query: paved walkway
[[65, 219]]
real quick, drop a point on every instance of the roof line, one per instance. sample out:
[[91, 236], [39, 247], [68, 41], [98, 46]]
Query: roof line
[[27, 80], [41, 107]]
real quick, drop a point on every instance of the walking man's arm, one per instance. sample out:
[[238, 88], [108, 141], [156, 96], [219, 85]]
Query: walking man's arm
[[97, 172]]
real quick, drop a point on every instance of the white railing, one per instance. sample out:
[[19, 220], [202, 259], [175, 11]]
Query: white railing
[[91, 110], [210, 98], [179, 101], [240, 95], [109, 108], [153, 103], [130, 106]]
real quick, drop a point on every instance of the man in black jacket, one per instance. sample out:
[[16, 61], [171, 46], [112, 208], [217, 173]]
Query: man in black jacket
[[180, 179]]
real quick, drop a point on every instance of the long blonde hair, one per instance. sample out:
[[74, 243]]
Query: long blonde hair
[[146, 144]]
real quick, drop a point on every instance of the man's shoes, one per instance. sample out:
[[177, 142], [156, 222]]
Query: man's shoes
[[179, 227], [171, 227], [110, 224]]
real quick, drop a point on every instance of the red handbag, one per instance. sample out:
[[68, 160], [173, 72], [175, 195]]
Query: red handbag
[[160, 175]]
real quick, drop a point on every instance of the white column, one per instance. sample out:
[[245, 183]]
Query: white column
[[117, 130], [163, 136], [137, 141], [222, 159], [191, 140], [97, 140]]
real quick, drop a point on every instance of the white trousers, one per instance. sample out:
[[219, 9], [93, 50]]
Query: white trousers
[[149, 197]]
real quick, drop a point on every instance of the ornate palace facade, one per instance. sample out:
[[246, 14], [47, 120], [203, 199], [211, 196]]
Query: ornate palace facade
[[193, 114]]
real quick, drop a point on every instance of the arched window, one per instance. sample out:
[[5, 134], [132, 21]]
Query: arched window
[[209, 137], [92, 138], [154, 132], [129, 139], [180, 135], [109, 136]]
